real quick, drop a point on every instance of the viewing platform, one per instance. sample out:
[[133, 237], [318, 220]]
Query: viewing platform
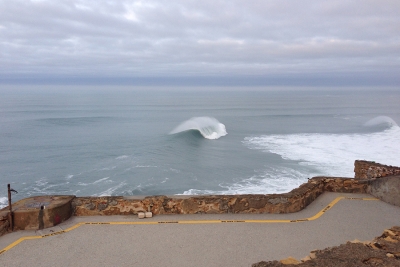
[[236, 230]]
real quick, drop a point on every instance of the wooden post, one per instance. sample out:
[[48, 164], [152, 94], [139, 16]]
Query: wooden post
[[10, 217]]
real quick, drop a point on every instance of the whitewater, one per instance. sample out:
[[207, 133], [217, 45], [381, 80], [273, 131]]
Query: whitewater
[[156, 142]]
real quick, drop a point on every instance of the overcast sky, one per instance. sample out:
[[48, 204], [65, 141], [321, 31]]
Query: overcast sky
[[279, 42]]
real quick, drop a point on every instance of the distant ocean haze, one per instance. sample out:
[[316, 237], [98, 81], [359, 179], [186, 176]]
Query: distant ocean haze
[[154, 142]]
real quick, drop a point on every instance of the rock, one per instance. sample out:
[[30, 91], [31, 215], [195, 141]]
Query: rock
[[389, 239], [382, 251], [102, 206], [289, 260], [278, 200], [90, 206]]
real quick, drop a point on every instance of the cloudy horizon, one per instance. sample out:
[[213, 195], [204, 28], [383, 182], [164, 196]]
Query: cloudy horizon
[[332, 43]]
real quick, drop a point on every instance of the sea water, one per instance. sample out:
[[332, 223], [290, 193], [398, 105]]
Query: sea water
[[151, 141]]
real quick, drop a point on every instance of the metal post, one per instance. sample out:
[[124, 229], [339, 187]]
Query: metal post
[[10, 217]]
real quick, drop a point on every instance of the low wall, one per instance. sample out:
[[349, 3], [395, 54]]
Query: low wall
[[41, 212], [383, 180], [365, 181], [369, 170], [386, 189], [293, 201], [36, 213], [27, 214], [4, 222]]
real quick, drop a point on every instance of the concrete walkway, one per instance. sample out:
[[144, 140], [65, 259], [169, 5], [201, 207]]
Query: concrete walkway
[[201, 240]]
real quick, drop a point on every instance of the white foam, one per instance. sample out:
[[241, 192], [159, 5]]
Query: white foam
[[69, 176], [104, 180], [111, 190], [209, 128], [165, 180], [145, 166], [108, 168], [316, 154], [3, 202], [46, 189], [122, 157], [41, 182], [333, 154], [269, 181], [191, 192], [101, 180]]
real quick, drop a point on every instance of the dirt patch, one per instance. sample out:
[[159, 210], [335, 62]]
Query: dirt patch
[[382, 251]]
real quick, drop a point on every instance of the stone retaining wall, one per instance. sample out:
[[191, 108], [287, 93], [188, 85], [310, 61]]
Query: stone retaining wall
[[365, 181], [369, 170], [4, 223], [293, 201]]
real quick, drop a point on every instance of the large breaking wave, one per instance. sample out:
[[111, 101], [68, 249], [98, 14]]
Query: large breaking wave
[[209, 128], [381, 121], [314, 154]]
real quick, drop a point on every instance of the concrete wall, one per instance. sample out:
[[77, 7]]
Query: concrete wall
[[31, 217], [369, 169], [383, 180], [386, 189], [293, 201]]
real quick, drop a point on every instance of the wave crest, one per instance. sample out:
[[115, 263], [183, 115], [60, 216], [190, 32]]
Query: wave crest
[[208, 127], [381, 120]]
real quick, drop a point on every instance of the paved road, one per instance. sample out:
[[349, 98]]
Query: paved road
[[200, 240]]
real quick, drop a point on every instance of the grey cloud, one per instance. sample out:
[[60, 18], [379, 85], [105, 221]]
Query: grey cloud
[[198, 38]]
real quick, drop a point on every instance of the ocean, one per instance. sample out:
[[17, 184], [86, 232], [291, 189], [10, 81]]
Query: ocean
[[89, 141]]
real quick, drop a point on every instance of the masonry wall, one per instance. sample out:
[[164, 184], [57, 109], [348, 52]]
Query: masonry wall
[[383, 180], [369, 170], [4, 222], [293, 201]]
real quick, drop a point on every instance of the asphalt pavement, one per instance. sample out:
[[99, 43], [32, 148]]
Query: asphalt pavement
[[201, 239]]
